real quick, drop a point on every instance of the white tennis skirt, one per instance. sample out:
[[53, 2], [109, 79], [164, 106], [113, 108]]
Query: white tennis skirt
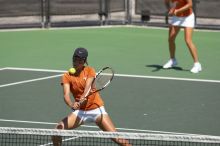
[[188, 21]]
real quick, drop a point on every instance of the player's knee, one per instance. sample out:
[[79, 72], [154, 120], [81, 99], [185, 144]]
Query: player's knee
[[60, 126], [57, 139]]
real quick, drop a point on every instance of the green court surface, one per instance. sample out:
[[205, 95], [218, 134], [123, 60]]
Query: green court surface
[[129, 50], [142, 96], [133, 102]]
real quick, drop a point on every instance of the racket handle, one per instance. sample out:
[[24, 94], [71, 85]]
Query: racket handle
[[80, 102], [73, 109]]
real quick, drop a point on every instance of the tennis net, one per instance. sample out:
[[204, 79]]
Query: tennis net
[[42, 137]]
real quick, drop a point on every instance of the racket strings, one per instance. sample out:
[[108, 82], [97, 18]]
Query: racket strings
[[103, 79]]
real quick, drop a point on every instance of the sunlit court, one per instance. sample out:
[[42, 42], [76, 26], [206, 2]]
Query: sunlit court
[[109, 73]]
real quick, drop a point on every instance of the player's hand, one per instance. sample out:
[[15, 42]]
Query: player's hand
[[75, 106], [82, 100], [175, 12], [171, 12]]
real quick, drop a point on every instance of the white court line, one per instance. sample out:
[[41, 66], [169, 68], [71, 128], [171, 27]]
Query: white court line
[[27, 81], [3, 68], [88, 126], [63, 140], [32, 80], [34, 69], [126, 75], [98, 27], [168, 78]]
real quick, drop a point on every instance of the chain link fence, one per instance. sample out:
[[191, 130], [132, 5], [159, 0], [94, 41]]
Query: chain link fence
[[62, 13]]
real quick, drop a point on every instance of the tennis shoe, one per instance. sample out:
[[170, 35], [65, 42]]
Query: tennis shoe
[[171, 63], [196, 68]]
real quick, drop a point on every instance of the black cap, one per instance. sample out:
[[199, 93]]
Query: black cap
[[81, 53]]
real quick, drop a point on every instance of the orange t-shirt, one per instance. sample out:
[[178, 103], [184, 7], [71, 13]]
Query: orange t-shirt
[[180, 4], [77, 85]]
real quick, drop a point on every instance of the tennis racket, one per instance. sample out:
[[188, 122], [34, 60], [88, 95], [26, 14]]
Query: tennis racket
[[102, 79]]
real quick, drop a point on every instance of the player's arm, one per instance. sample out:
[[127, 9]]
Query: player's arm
[[184, 8], [87, 89], [66, 94]]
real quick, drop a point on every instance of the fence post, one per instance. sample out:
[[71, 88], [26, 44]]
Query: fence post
[[42, 14], [195, 9], [103, 10], [128, 11]]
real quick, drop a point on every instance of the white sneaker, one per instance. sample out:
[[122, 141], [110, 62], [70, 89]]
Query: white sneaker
[[196, 68], [170, 63]]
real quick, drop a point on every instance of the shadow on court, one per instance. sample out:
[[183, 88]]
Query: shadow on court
[[157, 67]]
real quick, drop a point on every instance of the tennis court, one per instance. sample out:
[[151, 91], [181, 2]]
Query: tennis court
[[142, 97]]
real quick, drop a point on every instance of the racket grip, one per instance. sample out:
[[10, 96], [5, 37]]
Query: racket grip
[[80, 102], [73, 109]]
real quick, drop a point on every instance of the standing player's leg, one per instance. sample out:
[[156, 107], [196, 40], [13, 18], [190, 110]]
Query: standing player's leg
[[173, 31], [193, 50]]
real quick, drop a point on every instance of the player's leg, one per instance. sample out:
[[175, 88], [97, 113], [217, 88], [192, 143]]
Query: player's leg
[[192, 48], [69, 122], [105, 123], [173, 31], [190, 44]]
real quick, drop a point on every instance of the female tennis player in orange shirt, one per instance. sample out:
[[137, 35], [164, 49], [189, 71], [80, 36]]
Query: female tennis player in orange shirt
[[182, 15], [91, 110]]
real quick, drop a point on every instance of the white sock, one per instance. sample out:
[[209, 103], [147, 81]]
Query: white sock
[[196, 63]]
